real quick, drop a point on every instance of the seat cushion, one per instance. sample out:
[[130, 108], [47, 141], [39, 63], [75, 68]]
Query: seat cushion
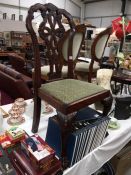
[[11, 72], [69, 90], [84, 67], [45, 71]]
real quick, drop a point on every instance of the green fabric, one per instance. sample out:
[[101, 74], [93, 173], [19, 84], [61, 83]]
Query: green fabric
[[70, 90]]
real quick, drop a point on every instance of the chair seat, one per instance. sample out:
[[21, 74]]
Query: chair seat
[[45, 70], [70, 92], [84, 67]]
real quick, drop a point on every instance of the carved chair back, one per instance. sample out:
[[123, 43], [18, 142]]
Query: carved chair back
[[50, 30], [69, 48], [98, 47]]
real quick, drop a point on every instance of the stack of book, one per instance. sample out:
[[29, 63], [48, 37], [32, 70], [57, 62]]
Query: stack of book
[[38, 155], [23, 165], [11, 137], [15, 134], [5, 141]]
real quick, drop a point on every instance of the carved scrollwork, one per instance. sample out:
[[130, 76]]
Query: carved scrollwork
[[51, 30]]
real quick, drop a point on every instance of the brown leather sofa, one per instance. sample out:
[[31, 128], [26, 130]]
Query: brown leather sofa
[[17, 62], [13, 83]]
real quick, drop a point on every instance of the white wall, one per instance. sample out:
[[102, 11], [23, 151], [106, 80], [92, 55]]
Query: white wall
[[102, 13], [71, 7], [13, 7], [25, 4]]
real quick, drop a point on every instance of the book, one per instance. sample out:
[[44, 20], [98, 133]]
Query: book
[[15, 133], [38, 151], [23, 165], [5, 141]]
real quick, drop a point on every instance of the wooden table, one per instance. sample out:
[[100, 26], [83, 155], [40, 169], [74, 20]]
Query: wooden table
[[120, 77]]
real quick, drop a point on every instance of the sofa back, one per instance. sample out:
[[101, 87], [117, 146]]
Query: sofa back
[[12, 83]]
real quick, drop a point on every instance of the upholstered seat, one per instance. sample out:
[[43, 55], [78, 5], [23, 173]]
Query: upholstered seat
[[46, 69], [84, 67], [69, 91]]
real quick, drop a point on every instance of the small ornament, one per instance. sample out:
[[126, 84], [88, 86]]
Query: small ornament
[[16, 116]]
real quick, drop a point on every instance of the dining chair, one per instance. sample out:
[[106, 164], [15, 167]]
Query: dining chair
[[66, 95], [97, 50]]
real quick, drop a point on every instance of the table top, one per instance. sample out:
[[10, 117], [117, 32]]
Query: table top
[[121, 77], [111, 145]]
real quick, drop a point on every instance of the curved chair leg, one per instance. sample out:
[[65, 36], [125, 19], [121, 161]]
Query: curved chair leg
[[36, 114]]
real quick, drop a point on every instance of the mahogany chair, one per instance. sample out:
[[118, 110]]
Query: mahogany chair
[[97, 50], [66, 95]]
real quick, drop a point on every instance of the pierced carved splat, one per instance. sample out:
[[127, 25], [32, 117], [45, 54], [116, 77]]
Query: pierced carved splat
[[51, 29]]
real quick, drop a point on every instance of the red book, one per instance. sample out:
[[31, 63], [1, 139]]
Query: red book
[[5, 141]]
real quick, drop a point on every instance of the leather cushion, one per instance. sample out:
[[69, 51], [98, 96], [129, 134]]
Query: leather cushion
[[70, 90], [10, 71], [2, 67]]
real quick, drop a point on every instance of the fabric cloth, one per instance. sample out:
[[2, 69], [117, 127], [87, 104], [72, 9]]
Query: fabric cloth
[[113, 143]]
